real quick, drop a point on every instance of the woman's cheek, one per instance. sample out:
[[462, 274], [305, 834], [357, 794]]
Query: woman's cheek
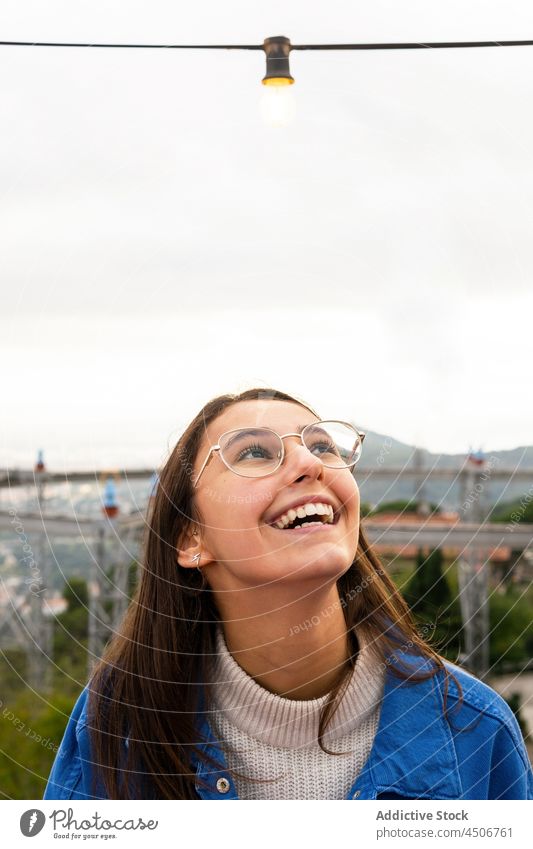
[[355, 497]]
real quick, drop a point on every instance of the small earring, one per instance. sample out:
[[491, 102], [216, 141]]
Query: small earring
[[196, 558]]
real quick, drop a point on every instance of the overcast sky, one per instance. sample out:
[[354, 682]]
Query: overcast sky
[[160, 243]]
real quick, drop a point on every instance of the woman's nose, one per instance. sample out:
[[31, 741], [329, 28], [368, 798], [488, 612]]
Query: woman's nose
[[299, 459]]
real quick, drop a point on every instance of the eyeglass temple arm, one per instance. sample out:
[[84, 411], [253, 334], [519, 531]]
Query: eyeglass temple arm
[[206, 461]]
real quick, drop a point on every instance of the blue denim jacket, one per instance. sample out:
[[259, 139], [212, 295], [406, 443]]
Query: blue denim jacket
[[416, 753]]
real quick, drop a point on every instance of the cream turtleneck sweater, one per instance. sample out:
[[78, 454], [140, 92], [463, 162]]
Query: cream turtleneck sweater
[[270, 742]]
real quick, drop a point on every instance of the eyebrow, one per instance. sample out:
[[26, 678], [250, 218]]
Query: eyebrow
[[246, 432]]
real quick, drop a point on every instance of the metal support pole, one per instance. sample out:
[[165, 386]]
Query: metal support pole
[[99, 618], [424, 508], [108, 593], [120, 581], [473, 575], [39, 625]]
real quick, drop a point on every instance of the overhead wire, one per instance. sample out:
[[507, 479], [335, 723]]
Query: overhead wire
[[408, 45]]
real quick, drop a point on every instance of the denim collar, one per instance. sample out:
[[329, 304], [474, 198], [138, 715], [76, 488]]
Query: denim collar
[[413, 755]]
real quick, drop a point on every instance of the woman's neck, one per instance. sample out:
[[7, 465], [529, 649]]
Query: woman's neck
[[297, 650]]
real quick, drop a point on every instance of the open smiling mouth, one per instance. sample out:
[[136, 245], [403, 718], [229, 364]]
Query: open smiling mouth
[[302, 524]]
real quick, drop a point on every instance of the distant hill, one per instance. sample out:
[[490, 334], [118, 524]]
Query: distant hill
[[381, 452], [394, 452]]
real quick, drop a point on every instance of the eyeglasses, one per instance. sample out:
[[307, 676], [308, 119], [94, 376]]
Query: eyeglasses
[[253, 452]]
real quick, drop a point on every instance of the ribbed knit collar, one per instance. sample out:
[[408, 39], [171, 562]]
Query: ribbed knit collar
[[289, 723]]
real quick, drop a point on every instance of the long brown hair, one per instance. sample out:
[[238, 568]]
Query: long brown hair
[[148, 686]]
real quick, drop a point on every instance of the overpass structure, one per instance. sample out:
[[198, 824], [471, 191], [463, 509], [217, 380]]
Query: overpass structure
[[452, 534], [417, 473], [27, 621]]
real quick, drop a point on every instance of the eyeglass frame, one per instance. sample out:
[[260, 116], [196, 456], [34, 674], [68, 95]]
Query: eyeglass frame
[[360, 433]]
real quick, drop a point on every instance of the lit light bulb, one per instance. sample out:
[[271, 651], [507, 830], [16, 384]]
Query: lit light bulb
[[277, 105]]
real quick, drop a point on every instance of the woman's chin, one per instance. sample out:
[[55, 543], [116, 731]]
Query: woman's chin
[[320, 568]]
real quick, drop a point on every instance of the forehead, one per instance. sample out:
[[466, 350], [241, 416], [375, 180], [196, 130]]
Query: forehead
[[281, 416]]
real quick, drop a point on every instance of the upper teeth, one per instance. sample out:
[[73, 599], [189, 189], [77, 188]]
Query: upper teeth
[[316, 508]]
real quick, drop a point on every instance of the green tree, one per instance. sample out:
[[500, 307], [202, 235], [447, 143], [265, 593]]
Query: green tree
[[514, 512], [428, 588], [511, 629], [434, 608], [71, 636], [401, 506], [30, 733], [409, 505], [514, 700]]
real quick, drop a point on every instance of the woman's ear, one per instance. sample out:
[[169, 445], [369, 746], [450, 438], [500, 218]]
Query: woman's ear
[[188, 548], [189, 551]]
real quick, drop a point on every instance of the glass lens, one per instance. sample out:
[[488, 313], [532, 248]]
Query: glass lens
[[336, 444], [251, 452]]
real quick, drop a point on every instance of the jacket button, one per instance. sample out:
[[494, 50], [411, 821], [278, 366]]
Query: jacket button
[[223, 785], [356, 794]]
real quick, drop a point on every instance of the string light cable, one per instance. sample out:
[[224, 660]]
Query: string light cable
[[277, 50]]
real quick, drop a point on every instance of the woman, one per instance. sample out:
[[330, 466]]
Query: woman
[[266, 654]]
